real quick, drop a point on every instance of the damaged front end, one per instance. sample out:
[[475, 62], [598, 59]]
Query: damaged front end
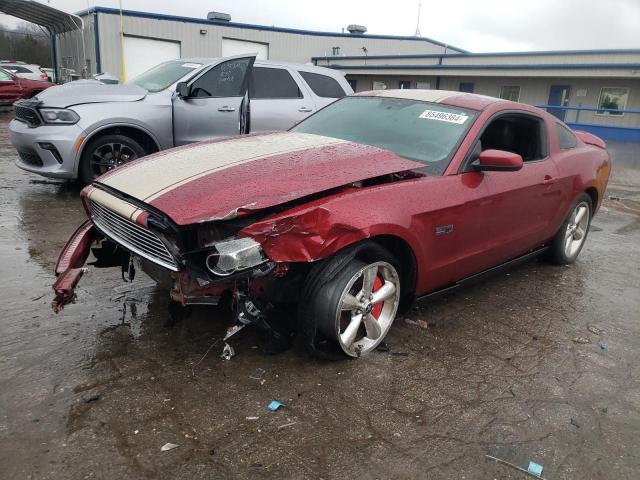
[[198, 264]]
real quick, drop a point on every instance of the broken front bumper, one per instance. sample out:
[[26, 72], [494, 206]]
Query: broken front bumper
[[70, 265]]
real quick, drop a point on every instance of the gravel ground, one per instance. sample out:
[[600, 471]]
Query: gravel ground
[[512, 367]]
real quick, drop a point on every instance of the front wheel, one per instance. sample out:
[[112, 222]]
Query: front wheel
[[569, 240], [354, 311], [107, 152]]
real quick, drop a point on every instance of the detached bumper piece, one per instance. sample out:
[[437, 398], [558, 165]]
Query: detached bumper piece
[[70, 266]]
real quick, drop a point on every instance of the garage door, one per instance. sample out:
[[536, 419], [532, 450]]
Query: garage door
[[140, 54], [232, 46]]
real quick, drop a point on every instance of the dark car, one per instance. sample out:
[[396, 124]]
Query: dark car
[[14, 88], [374, 201]]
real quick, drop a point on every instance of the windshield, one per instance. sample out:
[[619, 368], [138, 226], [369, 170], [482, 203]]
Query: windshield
[[161, 76], [425, 132]]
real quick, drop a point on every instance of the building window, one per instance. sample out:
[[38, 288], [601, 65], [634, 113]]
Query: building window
[[335, 51], [510, 92], [423, 85], [612, 98], [466, 87], [353, 83], [379, 85], [404, 84]]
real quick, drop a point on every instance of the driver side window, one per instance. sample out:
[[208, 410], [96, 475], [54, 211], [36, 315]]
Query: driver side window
[[223, 80], [517, 133]]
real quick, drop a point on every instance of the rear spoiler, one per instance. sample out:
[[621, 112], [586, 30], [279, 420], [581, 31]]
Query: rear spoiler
[[590, 138]]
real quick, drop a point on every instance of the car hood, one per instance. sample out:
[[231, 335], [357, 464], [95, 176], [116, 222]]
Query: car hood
[[82, 91], [227, 178]]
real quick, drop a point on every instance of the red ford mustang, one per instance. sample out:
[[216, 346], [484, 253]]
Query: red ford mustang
[[374, 201]]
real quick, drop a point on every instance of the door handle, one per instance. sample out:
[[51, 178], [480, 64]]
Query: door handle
[[226, 109], [549, 180], [305, 109]]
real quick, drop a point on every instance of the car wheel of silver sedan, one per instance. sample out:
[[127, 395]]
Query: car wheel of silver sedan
[[571, 236], [354, 311]]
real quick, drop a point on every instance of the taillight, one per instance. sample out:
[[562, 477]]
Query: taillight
[[44, 76]]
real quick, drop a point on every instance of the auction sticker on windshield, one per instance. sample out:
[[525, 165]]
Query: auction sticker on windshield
[[444, 116]]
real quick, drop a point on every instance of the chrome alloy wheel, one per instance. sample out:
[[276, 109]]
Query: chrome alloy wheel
[[367, 308], [576, 229]]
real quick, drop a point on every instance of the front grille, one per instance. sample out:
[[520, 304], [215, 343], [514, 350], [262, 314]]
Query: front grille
[[27, 115], [30, 158], [132, 236]]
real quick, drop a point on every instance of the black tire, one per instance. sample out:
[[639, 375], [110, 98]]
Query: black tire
[[110, 151], [558, 252], [322, 294]]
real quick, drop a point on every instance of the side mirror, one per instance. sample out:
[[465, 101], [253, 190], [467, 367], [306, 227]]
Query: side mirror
[[498, 161], [183, 90]]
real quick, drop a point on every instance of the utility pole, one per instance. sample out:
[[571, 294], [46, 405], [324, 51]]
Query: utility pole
[[418, 22]]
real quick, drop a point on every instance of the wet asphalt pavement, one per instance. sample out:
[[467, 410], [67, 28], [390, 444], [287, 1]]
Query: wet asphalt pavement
[[513, 367]]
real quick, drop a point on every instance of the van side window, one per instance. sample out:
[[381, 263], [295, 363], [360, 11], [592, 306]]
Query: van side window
[[521, 134], [323, 85], [272, 83], [566, 138]]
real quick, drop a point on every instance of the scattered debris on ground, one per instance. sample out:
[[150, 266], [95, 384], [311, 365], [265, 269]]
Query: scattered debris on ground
[[92, 398], [418, 323], [168, 446], [595, 330], [534, 469], [227, 352], [581, 340], [603, 345], [275, 405], [286, 425]]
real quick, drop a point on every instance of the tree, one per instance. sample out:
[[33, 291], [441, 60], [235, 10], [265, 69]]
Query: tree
[[26, 42]]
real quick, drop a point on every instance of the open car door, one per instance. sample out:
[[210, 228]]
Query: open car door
[[214, 104]]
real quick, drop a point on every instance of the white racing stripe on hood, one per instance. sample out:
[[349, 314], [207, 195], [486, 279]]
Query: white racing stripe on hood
[[150, 179]]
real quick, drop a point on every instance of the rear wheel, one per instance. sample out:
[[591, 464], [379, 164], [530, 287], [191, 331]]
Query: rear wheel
[[353, 311], [569, 240], [107, 152]]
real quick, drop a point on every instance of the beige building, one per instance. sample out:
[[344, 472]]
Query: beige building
[[594, 90], [597, 90]]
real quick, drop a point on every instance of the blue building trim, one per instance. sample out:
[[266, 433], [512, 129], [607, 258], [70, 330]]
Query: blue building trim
[[96, 42], [218, 23], [477, 55], [608, 132], [509, 66]]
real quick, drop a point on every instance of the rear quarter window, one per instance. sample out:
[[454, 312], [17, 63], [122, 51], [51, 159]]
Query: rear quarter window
[[323, 85], [566, 138]]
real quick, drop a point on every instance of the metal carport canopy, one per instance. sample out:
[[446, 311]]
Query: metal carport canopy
[[54, 20]]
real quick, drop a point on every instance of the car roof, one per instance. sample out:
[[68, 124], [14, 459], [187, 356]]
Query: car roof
[[472, 101], [295, 66], [18, 64]]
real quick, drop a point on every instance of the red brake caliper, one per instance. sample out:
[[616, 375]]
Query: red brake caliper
[[377, 309]]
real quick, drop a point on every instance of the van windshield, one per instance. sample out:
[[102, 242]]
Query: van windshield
[[162, 76]]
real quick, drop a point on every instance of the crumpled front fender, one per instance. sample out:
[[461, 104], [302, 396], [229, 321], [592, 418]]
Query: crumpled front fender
[[70, 265]]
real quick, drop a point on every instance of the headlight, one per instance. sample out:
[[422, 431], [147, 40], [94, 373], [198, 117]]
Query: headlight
[[231, 256], [59, 116]]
